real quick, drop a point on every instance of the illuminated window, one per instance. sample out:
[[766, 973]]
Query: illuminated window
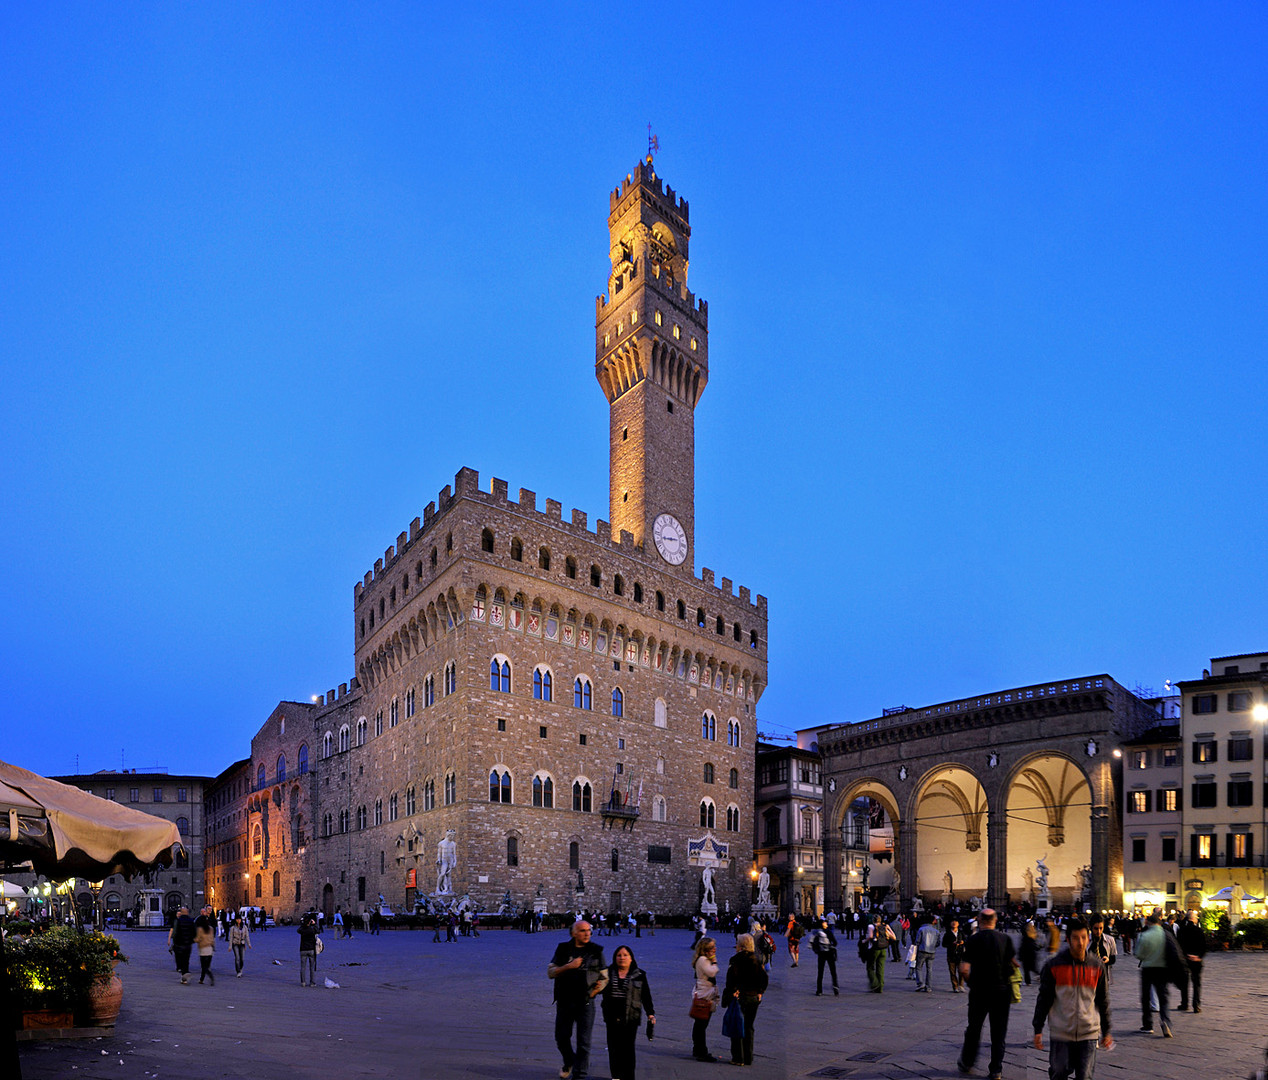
[[1169, 799], [1138, 802], [677, 331], [693, 344], [660, 319]]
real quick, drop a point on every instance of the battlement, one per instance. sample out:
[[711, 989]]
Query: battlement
[[644, 175], [466, 485], [677, 293]]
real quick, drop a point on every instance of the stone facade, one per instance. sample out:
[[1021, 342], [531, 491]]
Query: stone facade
[[573, 703]]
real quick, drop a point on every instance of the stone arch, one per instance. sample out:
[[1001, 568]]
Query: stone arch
[[949, 812], [1039, 792]]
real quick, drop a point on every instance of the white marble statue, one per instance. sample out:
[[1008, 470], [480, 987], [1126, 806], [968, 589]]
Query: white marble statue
[[707, 878], [1042, 866], [1235, 902], [948, 886], [1028, 876], [763, 888], [446, 860]]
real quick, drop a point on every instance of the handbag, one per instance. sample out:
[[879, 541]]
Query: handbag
[[733, 1021], [1014, 985], [701, 1008], [319, 946]]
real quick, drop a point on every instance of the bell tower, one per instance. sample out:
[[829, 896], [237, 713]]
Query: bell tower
[[652, 361]]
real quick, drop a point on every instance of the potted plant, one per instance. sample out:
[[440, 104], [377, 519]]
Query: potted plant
[[64, 977]]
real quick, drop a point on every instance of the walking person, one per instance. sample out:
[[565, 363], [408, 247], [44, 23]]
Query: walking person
[[704, 996], [180, 940], [953, 942], [625, 996], [1074, 999], [337, 929], [879, 937], [926, 947], [987, 964], [1101, 945], [577, 970], [1151, 952], [793, 932], [205, 940], [1029, 954], [239, 939], [746, 980], [307, 931], [824, 943], [1192, 940]]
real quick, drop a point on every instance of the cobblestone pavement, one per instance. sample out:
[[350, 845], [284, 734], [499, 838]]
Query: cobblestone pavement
[[408, 1007]]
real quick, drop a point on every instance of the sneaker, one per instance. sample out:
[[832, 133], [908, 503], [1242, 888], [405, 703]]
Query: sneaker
[[1197, 1008], [964, 1070], [1182, 1008], [565, 1073], [836, 992], [1147, 1030], [1166, 1031]]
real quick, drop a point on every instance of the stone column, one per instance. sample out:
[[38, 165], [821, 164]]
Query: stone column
[[832, 897], [996, 853], [906, 860], [1107, 839]]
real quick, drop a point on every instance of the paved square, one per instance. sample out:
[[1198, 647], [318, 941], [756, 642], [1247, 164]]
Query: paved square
[[408, 1007]]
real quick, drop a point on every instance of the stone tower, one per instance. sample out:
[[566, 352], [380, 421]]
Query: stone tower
[[652, 360]]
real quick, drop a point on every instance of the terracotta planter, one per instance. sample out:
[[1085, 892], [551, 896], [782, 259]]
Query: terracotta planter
[[37, 1019], [104, 1002]]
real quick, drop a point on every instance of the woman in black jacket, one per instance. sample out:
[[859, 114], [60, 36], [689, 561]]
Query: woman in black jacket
[[625, 997], [746, 980]]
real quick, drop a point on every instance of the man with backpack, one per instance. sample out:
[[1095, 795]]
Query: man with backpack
[[824, 943]]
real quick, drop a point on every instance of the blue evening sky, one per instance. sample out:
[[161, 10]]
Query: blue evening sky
[[987, 291]]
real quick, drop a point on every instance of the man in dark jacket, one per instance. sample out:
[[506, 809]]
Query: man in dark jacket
[[1192, 940], [824, 943], [307, 931], [1073, 998], [181, 940], [579, 974], [987, 964]]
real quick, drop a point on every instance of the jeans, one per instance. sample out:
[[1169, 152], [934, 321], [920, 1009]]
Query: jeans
[[1153, 979], [237, 957], [308, 962], [1066, 1059], [580, 1013], [828, 957], [953, 968], [1195, 981], [622, 1037], [993, 1003], [924, 962], [182, 958]]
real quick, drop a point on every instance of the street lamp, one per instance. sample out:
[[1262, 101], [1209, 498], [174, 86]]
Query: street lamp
[[1260, 713]]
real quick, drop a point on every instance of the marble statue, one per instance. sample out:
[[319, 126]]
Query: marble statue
[[897, 879], [1235, 902], [706, 879], [1042, 866], [446, 860], [763, 888], [1027, 875]]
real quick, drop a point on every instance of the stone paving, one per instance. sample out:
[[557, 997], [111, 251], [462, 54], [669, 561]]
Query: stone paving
[[481, 1008]]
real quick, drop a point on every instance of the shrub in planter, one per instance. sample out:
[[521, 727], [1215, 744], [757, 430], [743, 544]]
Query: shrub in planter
[[60, 970], [1253, 932]]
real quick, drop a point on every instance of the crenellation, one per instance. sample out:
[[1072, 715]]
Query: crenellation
[[706, 576], [726, 587], [378, 567], [401, 540], [744, 594], [415, 530], [498, 489], [579, 519], [528, 500], [602, 531], [627, 540], [445, 498], [554, 509]]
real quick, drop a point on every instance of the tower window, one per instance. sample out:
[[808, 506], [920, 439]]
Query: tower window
[[596, 577], [486, 540], [625, 434], [682, 610], [677, 331], [517, 550], [543, 559], [693, 344], [570, 567], [721, 627], [618, 585], [660, 600], [638, 593], [660, 319], [700, 617], [633, 320], [669, 406]]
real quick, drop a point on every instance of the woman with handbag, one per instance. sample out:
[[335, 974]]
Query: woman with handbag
[[625, 996], [746, 982], [704, 995]]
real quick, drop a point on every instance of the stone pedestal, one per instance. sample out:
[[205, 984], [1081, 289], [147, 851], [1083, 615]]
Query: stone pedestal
[[540, 905], [1043, 904], [765, 912], [709, 909]]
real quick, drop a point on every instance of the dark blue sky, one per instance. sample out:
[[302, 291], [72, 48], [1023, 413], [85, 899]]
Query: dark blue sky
[[987, 301]]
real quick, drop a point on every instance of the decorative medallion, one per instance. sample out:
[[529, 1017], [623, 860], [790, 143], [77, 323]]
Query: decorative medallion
[[552, 628], [992, 759], [534, 623], [477, 610], [832, 783], [568, 633], [495, 615], [1092, 748], [902, 772]]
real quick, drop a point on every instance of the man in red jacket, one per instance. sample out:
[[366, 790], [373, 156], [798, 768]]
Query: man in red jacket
[[1074, 1001]]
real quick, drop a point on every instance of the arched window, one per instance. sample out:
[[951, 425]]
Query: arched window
[[581, 693], [260, 778], [574, 856], [616, 861], [259, 886], [618, 702], [735, 778], [596, 577], [708, 772], [362, 817], [500, 675], [733, 732], [708, 726], [512, 851], [638, 593], [327, 744], [499, 786], [543, 684], [721, 626], [451, 678], [660, 600], [733, 818], [411, 806], [378, 811], [517, 549], [486, 540], [658, 713], [429, 795], [581, 796], [409, 703], [451, 789], [345, 821], [429, 691], [682, 609], [543, 559], [700, 617], [736, 632], [570, 567], [394, 713], [378, 723], [303, 759], [182, 826], [277, 883], [257, 842], [345, 736], [752, 639], [393, 806], [658, 808], [707, 814], [328, 825], [281, 768], [361, 730], [618, 585], [543, 791]]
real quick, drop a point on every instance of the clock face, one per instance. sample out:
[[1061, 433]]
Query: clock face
[[671, 539]]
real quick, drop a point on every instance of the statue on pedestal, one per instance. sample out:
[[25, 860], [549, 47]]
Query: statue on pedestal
[[948, 887], [763, 888], [1235, 897], [1042, 866], [446, 860], [706, 879], [1027, 875]]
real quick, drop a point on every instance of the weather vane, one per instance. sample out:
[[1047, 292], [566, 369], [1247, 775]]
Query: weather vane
[[653, 143]]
